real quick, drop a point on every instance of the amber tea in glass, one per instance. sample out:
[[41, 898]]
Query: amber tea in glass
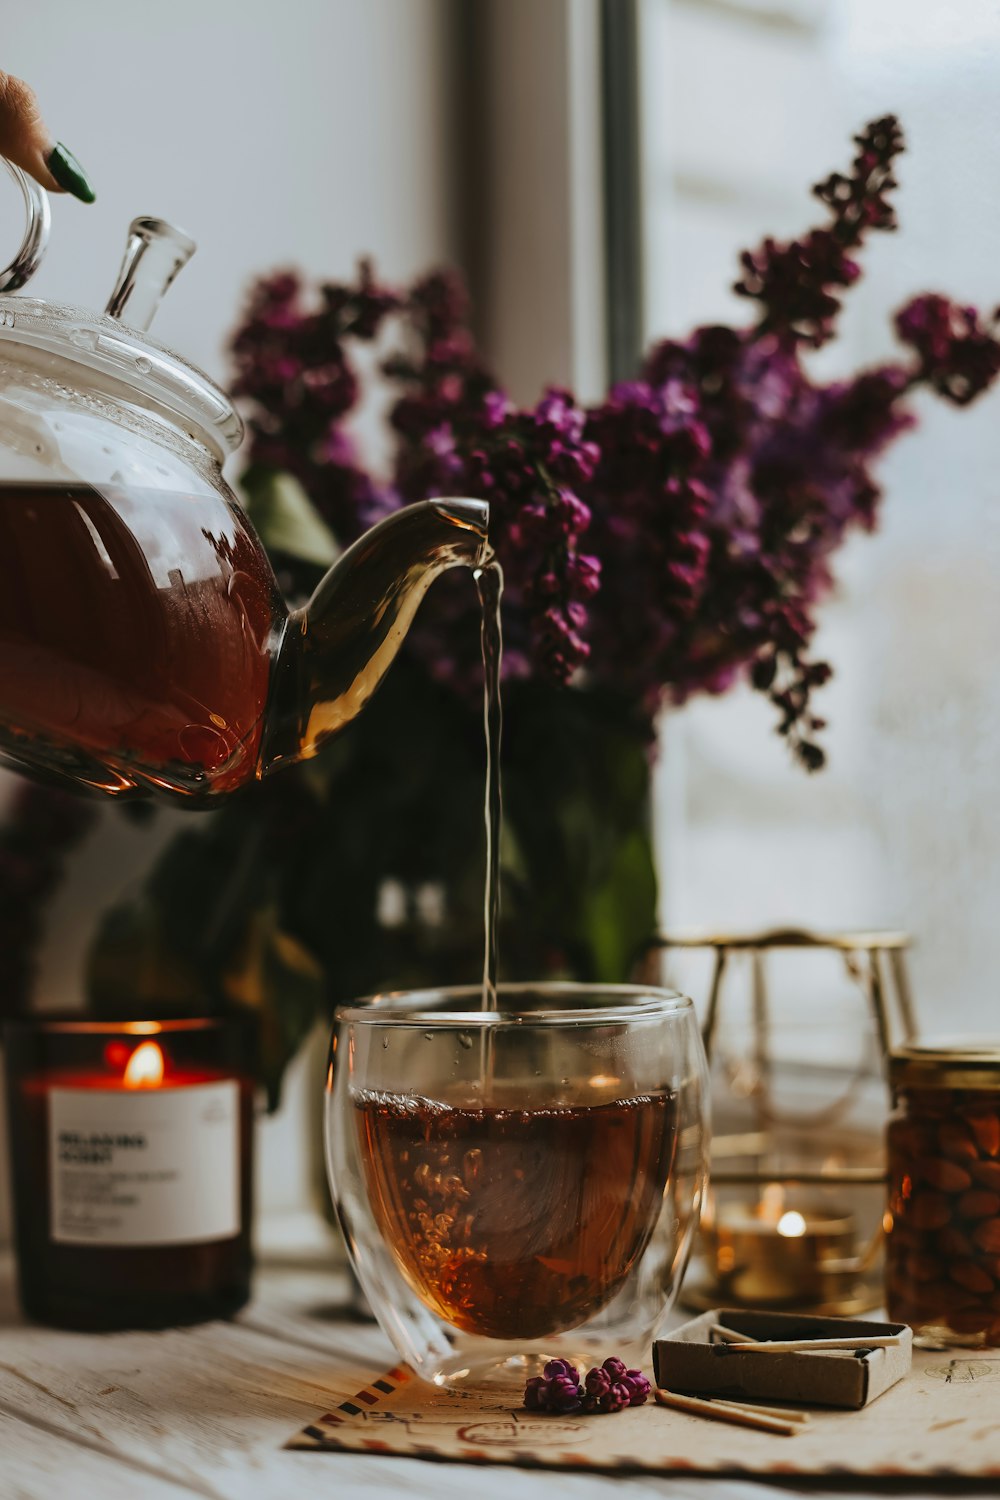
[[516, 1221]]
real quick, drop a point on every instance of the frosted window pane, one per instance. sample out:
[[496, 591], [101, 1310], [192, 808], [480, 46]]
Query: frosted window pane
[[904, 826]]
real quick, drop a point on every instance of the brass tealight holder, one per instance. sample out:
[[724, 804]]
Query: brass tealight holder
[[764, 1255], [794, 1215]]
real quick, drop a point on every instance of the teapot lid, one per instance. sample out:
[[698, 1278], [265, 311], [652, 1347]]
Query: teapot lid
[[115, 343]]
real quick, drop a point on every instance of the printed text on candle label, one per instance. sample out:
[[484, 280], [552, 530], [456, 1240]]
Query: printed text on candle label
[[149, 1167]]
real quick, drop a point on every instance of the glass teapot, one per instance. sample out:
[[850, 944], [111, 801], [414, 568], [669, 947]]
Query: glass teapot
[[144, 645]]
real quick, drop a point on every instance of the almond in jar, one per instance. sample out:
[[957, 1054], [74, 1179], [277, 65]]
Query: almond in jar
[[943, 1223]]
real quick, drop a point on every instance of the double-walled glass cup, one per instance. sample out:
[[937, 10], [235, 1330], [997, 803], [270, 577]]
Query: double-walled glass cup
[[518, 1185]]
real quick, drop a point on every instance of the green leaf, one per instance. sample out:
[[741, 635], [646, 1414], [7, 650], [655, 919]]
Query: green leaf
[[617, 916], [285, 518]]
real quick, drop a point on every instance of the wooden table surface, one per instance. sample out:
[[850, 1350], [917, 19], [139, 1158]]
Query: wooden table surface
[[205, 1411]]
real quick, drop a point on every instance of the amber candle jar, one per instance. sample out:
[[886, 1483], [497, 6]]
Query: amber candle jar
[[943, 1254], [131, 1163]]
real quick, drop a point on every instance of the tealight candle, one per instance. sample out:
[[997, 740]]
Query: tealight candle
[[131, 1168], [764, 1254]]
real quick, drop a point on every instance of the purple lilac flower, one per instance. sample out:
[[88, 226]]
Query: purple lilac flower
[[613, 1386], [557, 1389], [638, 1387], [672, 538], [291, 365], [797, 284], [959, 358]]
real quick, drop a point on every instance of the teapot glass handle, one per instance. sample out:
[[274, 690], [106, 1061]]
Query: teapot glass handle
[[36, 231]]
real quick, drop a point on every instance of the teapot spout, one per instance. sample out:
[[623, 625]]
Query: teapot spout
[[335, 651]]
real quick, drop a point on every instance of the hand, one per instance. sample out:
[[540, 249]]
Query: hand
[[25, 141]]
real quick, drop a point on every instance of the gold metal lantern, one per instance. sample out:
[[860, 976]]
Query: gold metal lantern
[[797, 1027]]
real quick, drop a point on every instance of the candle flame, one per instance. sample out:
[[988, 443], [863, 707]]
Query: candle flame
[[144, 1069], [792, 1225]]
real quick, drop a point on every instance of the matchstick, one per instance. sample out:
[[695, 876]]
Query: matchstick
[[801, 1417], [729, 1335], [716, 1412], [808, 1346]]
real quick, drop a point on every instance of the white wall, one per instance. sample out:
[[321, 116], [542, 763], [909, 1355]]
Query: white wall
[[303, 133]]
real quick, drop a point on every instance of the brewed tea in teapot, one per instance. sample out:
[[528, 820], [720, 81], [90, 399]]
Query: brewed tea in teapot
[[144, 644]]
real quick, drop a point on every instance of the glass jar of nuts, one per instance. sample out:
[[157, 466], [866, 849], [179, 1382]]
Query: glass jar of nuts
[[943, 1223]]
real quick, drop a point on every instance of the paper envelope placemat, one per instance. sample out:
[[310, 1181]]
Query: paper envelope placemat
[[943, 1419]]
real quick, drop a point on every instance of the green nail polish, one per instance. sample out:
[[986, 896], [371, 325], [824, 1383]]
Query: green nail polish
[[69, 174]]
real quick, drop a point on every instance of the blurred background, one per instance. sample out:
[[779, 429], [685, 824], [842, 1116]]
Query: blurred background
[[594, 170], [740, 103]]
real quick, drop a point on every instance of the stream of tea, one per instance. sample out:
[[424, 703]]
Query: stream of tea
[[489, 582]]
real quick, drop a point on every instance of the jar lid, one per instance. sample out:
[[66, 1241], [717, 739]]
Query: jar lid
[[115, 343], [962, 1062]]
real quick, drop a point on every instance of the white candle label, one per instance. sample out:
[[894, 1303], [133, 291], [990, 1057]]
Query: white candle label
[[144, 1167]]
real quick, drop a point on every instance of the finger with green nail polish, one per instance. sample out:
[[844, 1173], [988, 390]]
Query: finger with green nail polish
[[69, 174], [25, 141]]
